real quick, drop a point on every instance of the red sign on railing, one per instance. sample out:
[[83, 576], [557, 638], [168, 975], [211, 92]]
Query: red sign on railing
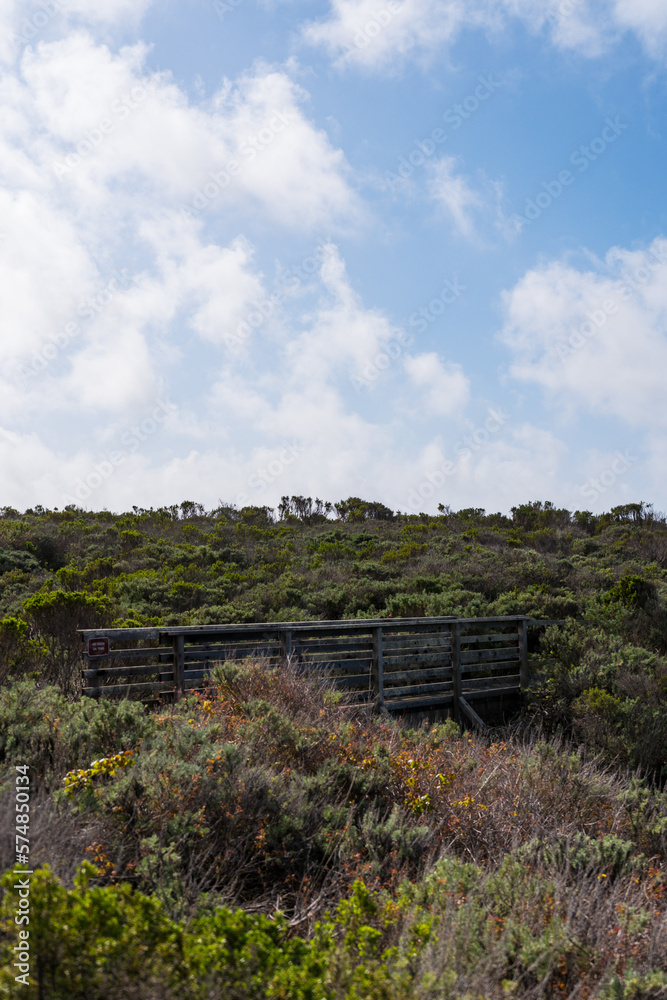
[[98, 647]]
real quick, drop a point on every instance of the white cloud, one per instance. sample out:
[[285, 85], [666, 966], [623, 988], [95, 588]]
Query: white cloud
[[215, 285], [33, 472], [101, 377], [597, 338], [286, 164], [27, 22], [299, 389], [111, 11], [494, 463], [342, 335], [82, 119], [379, 36], [453, 194], [444, 387], [527, 462], [45, 273], [131, 154], [570, 24], [382, 37], [648, 18], [302, 395], [208, 287]]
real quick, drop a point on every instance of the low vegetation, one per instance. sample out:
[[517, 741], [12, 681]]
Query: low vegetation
[[263, 839]]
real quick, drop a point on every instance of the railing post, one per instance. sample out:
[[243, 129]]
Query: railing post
[[455, 631], [523, 654], [179, 665], [286, 642], [378, 666]]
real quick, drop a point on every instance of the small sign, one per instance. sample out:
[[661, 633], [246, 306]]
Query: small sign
[[98, 647]]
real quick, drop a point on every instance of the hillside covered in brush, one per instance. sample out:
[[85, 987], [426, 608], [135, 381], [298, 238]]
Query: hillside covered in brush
[[263, 839], [601, 676]]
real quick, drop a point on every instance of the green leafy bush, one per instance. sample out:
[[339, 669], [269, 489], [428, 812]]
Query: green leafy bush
[[55, 617]]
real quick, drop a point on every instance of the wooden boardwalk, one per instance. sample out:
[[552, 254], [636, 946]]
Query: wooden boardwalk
[[405, 664]]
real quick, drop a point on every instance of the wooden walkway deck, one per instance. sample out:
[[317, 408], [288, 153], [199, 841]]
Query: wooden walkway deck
[[407, 664]]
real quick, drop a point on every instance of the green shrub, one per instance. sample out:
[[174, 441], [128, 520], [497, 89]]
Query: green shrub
[[636, 987], [631, 591], [17, 652], [55, 617], [596, 701], [88, 943], [40, 728]]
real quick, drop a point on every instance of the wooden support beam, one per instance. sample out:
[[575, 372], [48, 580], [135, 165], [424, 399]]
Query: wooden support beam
[[286, 643], [456, 668], [523, 653], [378, 666], [472, 715], [179, 665]]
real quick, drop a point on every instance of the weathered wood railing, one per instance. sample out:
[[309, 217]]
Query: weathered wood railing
[[407, 664]]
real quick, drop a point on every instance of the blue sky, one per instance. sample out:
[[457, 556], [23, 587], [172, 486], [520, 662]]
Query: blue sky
[[412, 250]]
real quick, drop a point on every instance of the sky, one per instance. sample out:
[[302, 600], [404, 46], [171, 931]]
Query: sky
[[408, 250]]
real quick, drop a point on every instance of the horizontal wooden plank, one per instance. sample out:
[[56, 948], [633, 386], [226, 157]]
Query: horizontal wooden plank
[[334, 627], [354, 681], [220, 654], [408, 640], [504, 680], [419, 659], [350, 626], [132, 654], [489, 668], [410, 690], [481, 655], [337, 666], [232, 648], [494, 618], [338, 624], [124, 690], [228, 633], [417, 703], [506, 637], [196, 674], [357, 696], [344, 656], [230, 642], [116, 634], [145, 668], [435, 650], [393, 677], [493, 692], [341, 626], [328, 646], [432, 653], [230, 652]]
